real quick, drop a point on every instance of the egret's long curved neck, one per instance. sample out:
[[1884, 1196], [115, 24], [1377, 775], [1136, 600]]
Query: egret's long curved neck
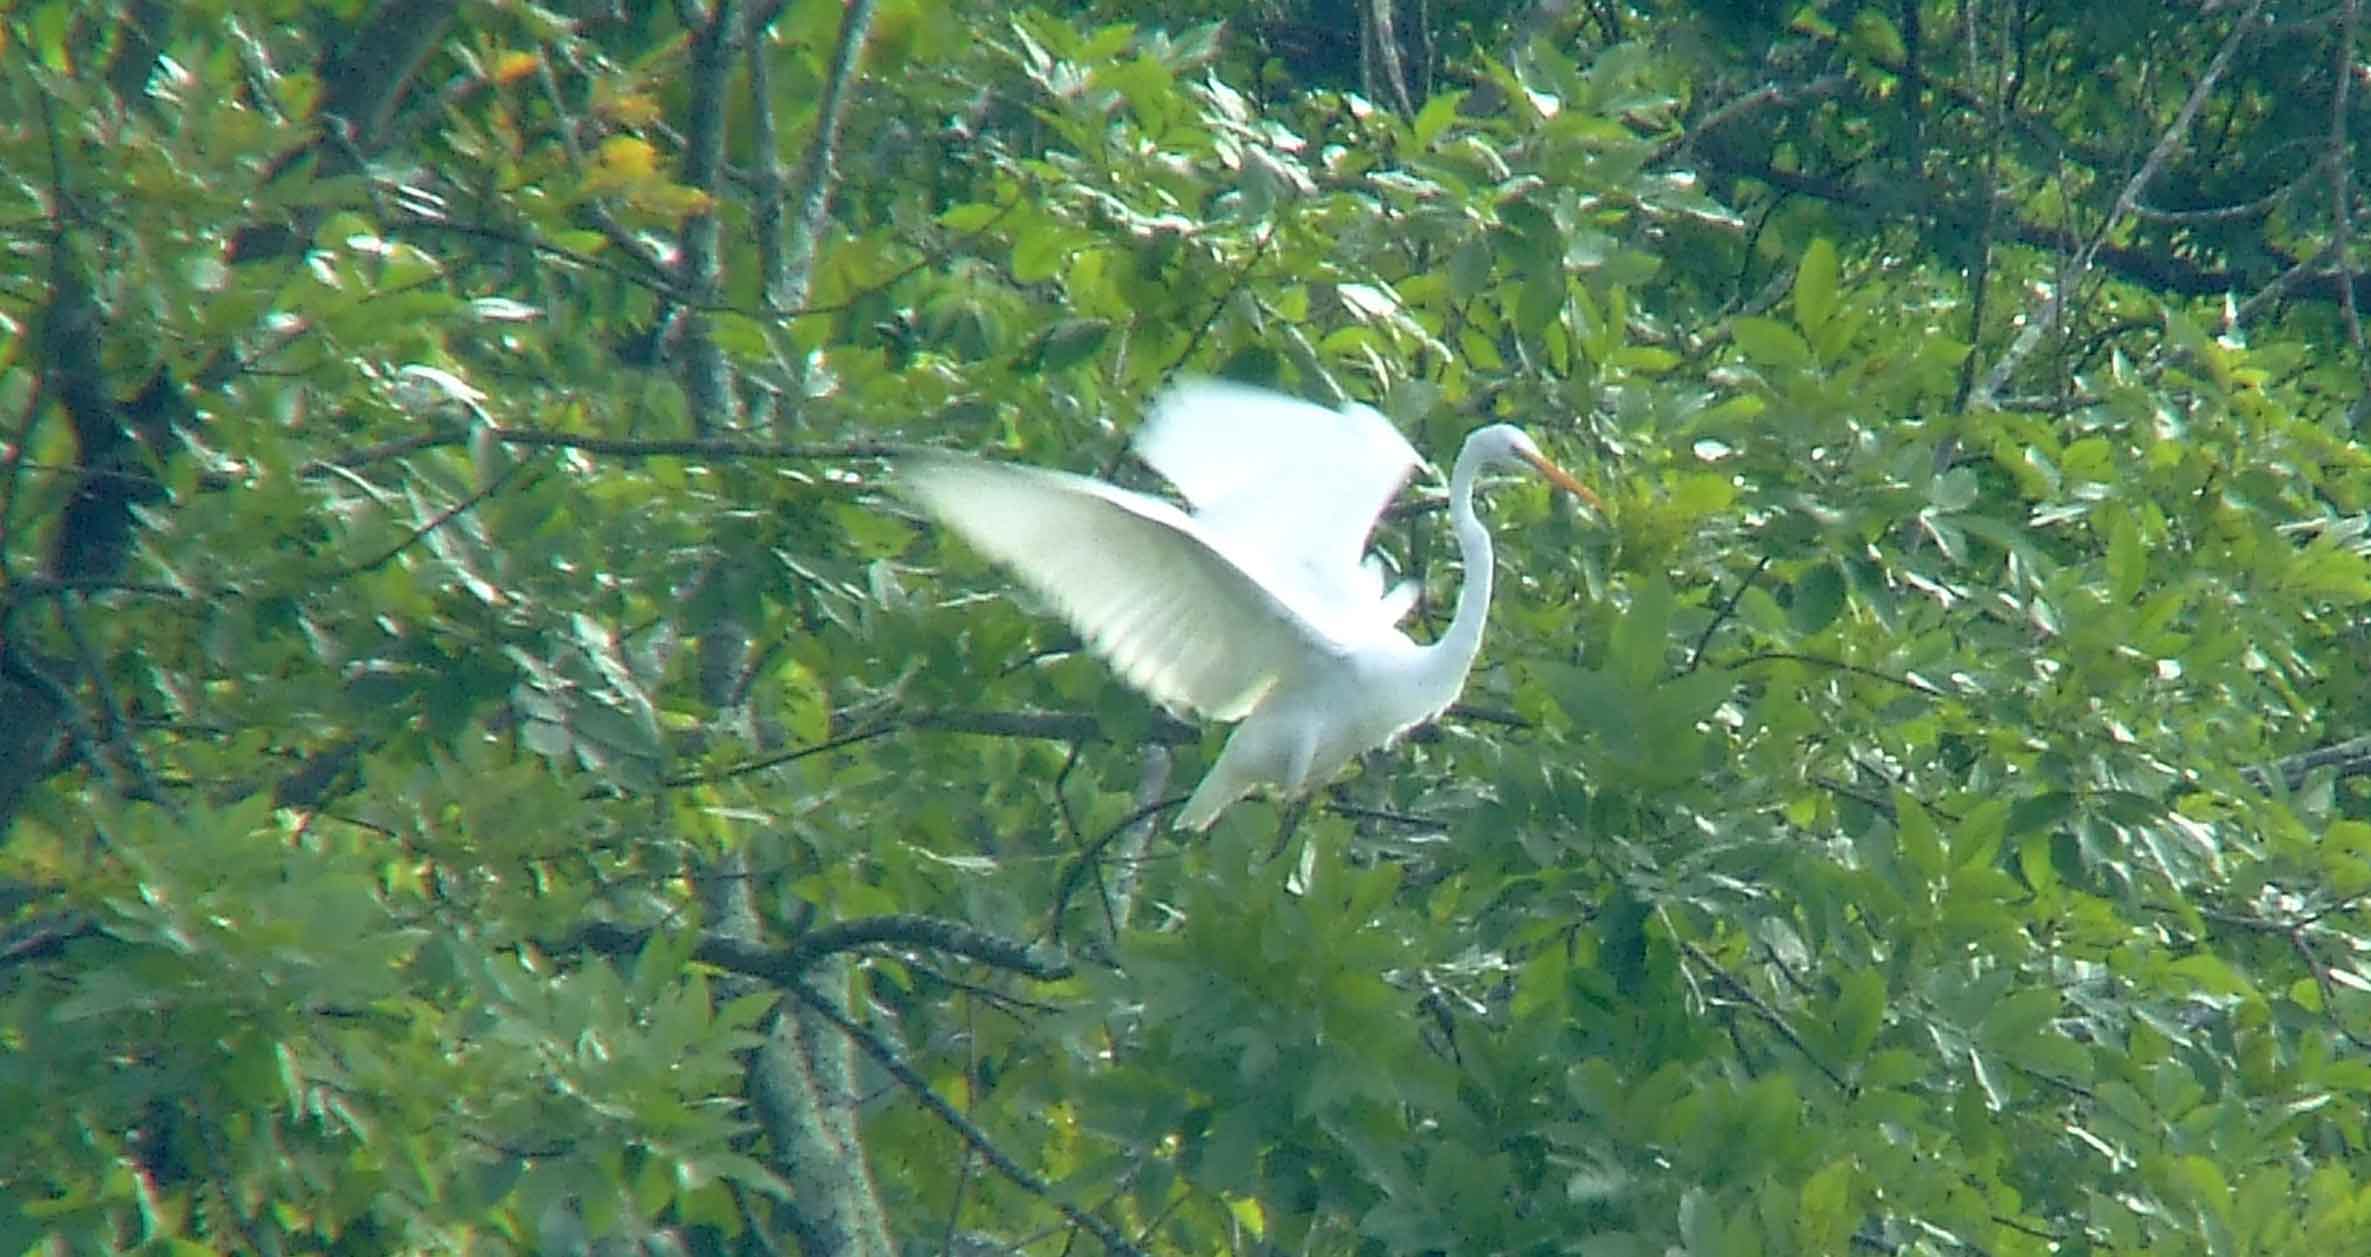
[[1454, 653]]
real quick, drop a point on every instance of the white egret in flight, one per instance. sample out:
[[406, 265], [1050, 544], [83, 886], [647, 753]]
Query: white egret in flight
[[1255, 606]]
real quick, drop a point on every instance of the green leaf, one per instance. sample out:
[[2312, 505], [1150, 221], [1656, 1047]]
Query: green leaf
[[1954, 490], [1874, 36], [1860, 1011], [1069, 343], [1039, 252], [1639, 650], [1815, 599], [1539, 302], [2017, 1016], [1435, 118], [970, 216], [1815, 288], [1825, 1218], [1921, 843], [1469, 268], [1770, 343], [2127, 566]]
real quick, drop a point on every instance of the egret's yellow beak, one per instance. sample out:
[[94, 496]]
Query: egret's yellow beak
[[1562, 479]]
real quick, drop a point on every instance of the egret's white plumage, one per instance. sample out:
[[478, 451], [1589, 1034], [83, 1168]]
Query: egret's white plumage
[[1256, 606]]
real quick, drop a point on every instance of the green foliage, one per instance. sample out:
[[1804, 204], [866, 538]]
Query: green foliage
[[470, 746]]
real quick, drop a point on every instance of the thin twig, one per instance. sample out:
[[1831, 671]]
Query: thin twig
[[1788, 656], [780, 758], [1241, 277], [1076, 872], [1410, 819], [121, 756], [1052, 726], [1720, 617], [2256, 208], [2352, 758], [1736, 986], [2329, 989], [439, 520]]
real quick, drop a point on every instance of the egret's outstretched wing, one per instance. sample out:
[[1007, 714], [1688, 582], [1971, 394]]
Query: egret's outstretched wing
[[1137, 577], [1287, 485]]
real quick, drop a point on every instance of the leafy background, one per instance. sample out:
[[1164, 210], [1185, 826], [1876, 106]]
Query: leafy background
[[484, 766]]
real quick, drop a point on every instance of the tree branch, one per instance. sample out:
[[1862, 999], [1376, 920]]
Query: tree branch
[[2342, 173], [1052, 726], [818, 170], [2352, 758], [46, 936], [783, 966], [615, 447]]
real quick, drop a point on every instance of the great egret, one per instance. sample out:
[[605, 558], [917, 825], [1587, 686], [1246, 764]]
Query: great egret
[[1255, 607]]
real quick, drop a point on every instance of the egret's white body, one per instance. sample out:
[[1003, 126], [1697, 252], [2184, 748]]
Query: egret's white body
[[1256, 607]]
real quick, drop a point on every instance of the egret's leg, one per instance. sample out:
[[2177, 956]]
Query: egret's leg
[[1288, 823], [1300, 757]]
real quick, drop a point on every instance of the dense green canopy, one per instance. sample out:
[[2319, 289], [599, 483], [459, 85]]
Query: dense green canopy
[[485, 764]]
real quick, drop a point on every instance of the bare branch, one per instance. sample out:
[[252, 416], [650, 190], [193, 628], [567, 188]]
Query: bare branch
[[1379, 60], [2342, 174], [707, 378], [1086, 862], [2256, 208], [818, 170], [908, 930]]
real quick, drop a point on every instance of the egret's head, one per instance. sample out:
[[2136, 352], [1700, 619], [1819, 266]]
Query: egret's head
[[1505, 445]]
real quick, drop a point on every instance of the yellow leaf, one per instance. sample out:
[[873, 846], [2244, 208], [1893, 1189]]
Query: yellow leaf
[[510, 67], [624, 159], [673, 200], [634, 109]]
